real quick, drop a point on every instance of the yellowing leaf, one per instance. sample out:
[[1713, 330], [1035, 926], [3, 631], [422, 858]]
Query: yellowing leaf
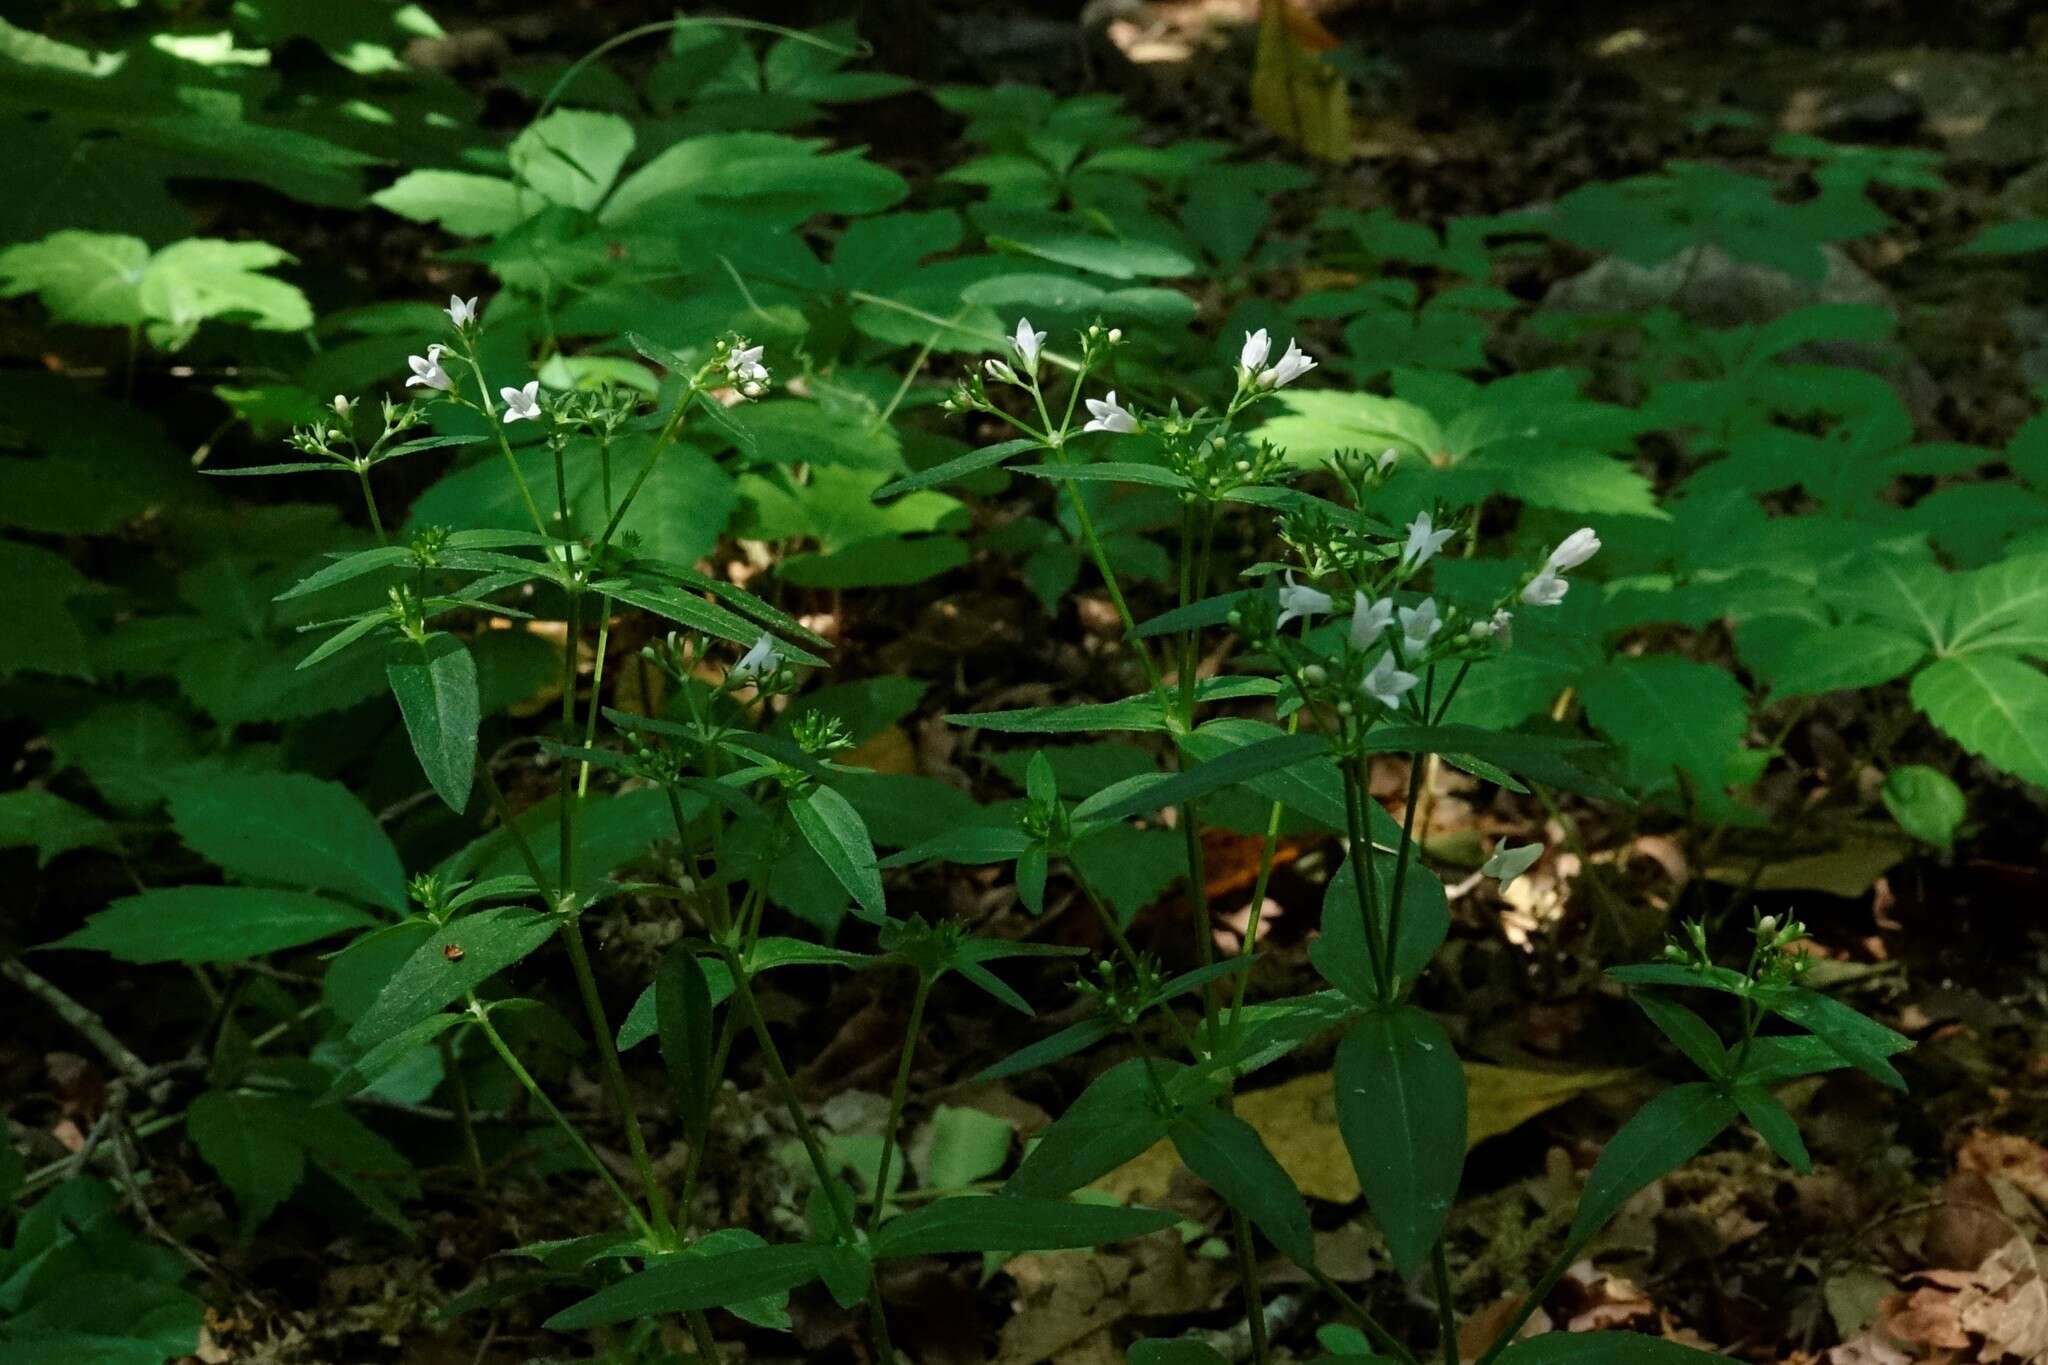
[[1295, 92], [1298, 1121]]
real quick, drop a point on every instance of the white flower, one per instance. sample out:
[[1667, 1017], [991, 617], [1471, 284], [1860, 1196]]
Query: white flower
[[1495, 625], [343, 405], [460, 311], [743, 366], [1026, 344], [1546, 589], [1109, 415], [1000, 371], [1386, 460], [1257, 346], [522, 405], [1578, 547], [1386, 683], [1423, 541], [1299, 601], [757, 662], [426, 370], [1293, 365], [1508, 863], [1419, 624], [1369, 619]]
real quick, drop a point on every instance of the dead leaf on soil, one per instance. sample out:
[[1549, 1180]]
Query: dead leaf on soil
[[1298, 1120]]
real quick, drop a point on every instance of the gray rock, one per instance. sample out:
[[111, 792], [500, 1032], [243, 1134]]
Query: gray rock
[[1713, 288]]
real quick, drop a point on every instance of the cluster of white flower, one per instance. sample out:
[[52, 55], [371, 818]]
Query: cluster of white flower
[[1548, 587], [1254, 372]]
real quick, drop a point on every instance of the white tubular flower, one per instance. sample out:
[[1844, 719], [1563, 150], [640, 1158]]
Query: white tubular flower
[[523, 404], [1369, 619], [1000, 371], [343, 405], [1299, 602], [1423, 541], [756, 663], [1026, 344], [460, 311], [1251, 358], [1107, 414], [743, 366], [1508, 863], [1292, 366], [1546, 589], [1386, 683], [1493, 626], [427, 371], [1386, 460], [1578, 547], [1419, 625]]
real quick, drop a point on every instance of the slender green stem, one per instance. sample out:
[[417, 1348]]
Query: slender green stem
[[661, 443], [505, 446], [1418, 765], [1248, 1273], [1380, 1336], [897, 1094], [614, 1074], [1534, 1301], [604, 635], [561, 1120], [458, 1089], [700, 1336], [510, 824], [1128, 952], [700, 1141], [1356, 794], [1446, 1310], [370, 505]]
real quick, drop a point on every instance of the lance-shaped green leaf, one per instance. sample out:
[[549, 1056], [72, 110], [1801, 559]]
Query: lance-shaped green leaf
[[690, 610], [1666, 1133], [1867, 1044], [1343, 951], [1210, 611], [387, 1056], [1178, 1351], [967, 844], [1313, 790], [348, 568], [453, 960], [960, 467], [682, 1005], [1141, 713], [1110, 471], [687, 1283], [1694, 1037], [1774, 1123], [1225, 770], [835, 831], [1006, 1222], [1553, 762], [1228, 1155], [1110, 1122], [437, 695], [1400, 1096]]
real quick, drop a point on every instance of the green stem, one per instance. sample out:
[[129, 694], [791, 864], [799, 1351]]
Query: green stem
[[458, 1088], [370, 505], [1446, 1311], [1534, 1301], [661, 443], [1380, 1336], [604, 634], [1248, 1272], [561, 1120], [1128, 952], [897, 1094], [1355, 797], [614, 1074], [1417, 766]]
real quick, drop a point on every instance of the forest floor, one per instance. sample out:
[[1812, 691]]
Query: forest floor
[[1927, 1213]]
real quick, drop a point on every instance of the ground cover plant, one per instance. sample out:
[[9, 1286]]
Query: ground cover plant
[[656, 724]]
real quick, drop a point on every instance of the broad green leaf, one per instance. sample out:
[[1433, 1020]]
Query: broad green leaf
[[201, 278], [90, 278], [288, 828], [1662, 1136], [1007, 1222], [571, 156], [1604, 1348], [1228, 1155], [212, 924], [1667, 713], [2004, 606], [1994, 705], [682, 1005], [437, 695], [387, 1056], [454, 959], [966, 1145], [1315, 424], [248, 1141], [1400, 1096], [466, 205], [685, 1283], [1845, 658], [835, 831], [1927, 803], [35, 818]]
